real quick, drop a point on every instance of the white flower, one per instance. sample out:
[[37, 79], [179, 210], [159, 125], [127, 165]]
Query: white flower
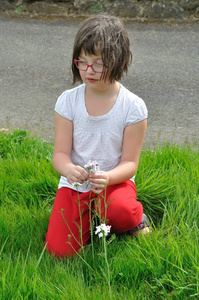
[[103, 230]]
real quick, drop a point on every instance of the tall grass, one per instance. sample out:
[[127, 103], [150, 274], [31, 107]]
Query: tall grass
[[162, 265]]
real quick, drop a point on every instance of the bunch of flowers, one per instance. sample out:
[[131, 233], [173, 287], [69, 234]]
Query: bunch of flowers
[[92, 167], [102, 230]]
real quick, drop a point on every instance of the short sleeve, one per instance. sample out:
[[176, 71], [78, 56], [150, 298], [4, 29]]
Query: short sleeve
[[136, 111], [63, 106]]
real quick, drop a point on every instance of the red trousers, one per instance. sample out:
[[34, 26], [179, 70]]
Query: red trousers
[[67, 231]]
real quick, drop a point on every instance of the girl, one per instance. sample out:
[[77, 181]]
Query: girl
[[98, 120]]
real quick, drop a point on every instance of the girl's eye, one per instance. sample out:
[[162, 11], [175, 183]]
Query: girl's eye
[[99, 62]]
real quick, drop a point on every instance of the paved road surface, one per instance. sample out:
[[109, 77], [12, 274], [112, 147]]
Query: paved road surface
[[35, 70]]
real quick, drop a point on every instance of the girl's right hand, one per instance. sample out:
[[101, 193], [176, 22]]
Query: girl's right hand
[[76, 174]]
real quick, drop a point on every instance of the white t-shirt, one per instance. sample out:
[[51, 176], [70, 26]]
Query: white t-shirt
[[98, 138]]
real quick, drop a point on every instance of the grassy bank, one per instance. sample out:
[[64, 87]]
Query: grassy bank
[[163, 265]]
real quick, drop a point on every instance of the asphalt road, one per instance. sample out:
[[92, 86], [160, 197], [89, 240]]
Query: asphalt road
[[35, 69]]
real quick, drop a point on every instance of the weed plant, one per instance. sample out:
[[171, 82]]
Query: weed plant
[[161, 265]]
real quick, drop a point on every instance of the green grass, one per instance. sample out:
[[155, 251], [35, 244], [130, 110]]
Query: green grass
[[162, 265]]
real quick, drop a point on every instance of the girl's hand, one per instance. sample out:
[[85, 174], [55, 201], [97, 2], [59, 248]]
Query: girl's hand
[[98, 181], [76, 174]]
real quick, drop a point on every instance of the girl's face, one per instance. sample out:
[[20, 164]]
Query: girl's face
[[90, 77]]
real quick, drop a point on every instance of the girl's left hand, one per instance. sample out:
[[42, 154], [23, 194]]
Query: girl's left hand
[[99, 181]]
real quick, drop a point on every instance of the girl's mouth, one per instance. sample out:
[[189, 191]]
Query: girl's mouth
[[92, 80]]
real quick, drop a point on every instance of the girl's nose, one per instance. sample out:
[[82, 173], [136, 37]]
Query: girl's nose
[[90, 70]]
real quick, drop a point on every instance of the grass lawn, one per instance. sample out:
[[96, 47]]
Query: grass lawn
[[163, 265]]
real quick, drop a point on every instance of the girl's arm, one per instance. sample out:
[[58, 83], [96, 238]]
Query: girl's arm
[[62, 151], [132, 145]]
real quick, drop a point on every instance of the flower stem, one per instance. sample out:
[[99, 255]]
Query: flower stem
[[81, 226], [107, 264], [91, 224], [69, 228]]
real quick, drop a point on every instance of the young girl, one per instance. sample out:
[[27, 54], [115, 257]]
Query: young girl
[[103, 121]]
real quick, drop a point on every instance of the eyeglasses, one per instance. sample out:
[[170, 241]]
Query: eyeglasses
[[83, 66]]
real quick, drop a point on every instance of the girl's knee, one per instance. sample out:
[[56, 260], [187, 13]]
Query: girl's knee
[[66, 239], [125, 217]]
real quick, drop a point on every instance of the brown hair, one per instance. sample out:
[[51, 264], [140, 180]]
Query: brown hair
[[106, 34]]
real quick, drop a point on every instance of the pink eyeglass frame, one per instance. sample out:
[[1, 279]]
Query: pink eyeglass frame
[[91, 66]]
